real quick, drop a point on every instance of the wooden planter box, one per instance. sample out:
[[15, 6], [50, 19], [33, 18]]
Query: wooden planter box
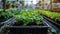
[[3, 25], [30, 28]]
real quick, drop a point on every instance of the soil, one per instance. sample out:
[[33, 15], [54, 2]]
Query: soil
[[20, 23], [2, 20]]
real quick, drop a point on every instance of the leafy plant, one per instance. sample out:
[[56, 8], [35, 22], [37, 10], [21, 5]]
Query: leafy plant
[[28, 16], [52, 15], [6, 15]]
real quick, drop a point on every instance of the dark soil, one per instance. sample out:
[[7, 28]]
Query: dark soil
[[28, 31], [2, 20], [19, 23]]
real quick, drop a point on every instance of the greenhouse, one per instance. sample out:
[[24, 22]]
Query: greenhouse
[[29, 16]]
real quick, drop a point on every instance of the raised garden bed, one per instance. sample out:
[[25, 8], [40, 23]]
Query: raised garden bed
[[48, 22], [52, 21], [21, 27], [5, 22], [27, 22], [53, 17], [28, 30], [9, 22]]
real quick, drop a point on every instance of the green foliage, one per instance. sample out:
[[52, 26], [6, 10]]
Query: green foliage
[[6, 14], [52, 15], [28, 16]]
